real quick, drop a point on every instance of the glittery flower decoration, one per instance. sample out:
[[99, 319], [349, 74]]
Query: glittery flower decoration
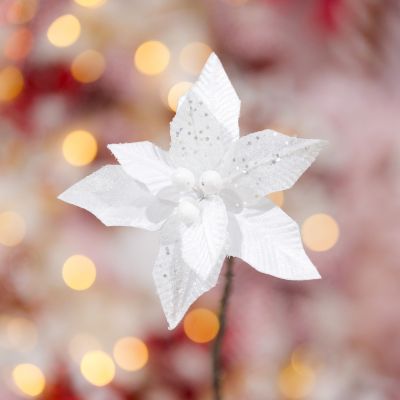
[[206, 195]]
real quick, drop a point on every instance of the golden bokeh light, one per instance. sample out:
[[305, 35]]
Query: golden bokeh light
[[80, 344], [320, 232], [64, 31], [193, 57], [296, 383], [29, 379], [302, 361], [176, 92], [79, 272], [12, 228], [21, 11], [98, 368], [21, 333], [79, 148], [11, 83], [278, 198], [131, 354], [88, 66], [90, 3], [19, 44], [201, 325], [152, 57]]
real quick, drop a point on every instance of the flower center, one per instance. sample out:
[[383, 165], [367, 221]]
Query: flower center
[[211, 182], [183, 178], [188, 212]]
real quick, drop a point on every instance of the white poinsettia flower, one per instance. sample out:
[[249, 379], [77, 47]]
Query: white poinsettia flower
[[206, 195]]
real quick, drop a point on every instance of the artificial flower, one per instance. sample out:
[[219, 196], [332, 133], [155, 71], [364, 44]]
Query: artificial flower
[[206, 195]]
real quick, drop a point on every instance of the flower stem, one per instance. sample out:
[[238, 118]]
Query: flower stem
[[216, 351]]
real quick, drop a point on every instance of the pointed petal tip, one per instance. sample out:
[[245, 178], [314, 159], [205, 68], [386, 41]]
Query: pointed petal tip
[[212, 58], [63, 196], [173, 323]]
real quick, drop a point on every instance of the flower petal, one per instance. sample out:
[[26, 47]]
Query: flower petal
[[116, 199], [267, 161], [178, 286], [146, 163], [198, 140], [217, 92], [205, 241], [269, 240]]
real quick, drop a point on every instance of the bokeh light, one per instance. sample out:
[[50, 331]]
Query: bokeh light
[[64, 31], [79, 148], [21, 333], [19, 44], [29, 379], [193, 57], [90, 3], [320, 232], [11, 83], [278, 198], [131, 354], [152, 57], [88, 66], [176, 92], [12, 228], [80, 344], [296, 383], [98, 368], [79, 272], [21, 11], [201, 325]]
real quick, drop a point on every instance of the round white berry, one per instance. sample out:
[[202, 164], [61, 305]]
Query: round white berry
[[211, 182], [183, 178], [188, 211]]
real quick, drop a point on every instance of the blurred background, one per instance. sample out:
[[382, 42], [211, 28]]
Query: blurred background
[[79, 314]]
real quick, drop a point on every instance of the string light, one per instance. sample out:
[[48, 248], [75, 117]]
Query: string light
[[90, 3], [131, 354], [11, 83], [64, 31], [79, 148], [278, 198], [21, 11], [29, 379], [98, 368], [19, 44], [79, 272], [320, 232], [88, 66], [152, 57], [193, 56], [12, 228], [176, 92], [201, 325]]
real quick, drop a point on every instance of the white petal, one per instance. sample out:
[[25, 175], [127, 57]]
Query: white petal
[[267, 161], [203, 242], [217, 92], [178, 286], [146, 163], [269, 240], [198, 140], [116, 199]]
